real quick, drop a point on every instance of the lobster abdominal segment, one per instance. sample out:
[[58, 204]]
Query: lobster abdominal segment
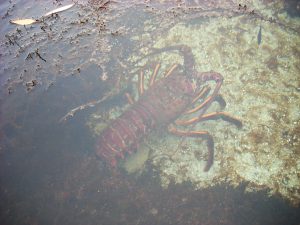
[[123, 134]]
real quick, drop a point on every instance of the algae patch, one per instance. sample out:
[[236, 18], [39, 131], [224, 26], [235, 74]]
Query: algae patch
[[260, 87]]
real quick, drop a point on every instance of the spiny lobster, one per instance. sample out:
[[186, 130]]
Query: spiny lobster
[[161, 105]]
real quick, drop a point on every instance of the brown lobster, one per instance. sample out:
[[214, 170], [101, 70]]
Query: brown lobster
[[161, 105]]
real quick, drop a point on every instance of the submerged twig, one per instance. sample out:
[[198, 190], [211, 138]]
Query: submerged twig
[[38, 54], [13, 42]]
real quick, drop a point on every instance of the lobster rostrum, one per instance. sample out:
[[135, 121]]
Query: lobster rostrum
[[161, 105]]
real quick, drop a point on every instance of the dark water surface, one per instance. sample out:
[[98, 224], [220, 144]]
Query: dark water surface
[[49, 173]]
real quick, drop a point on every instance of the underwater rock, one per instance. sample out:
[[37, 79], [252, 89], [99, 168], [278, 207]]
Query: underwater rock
[[257, 154]]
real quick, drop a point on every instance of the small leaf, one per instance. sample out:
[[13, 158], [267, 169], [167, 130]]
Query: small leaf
[[59, 9], [23, 21]]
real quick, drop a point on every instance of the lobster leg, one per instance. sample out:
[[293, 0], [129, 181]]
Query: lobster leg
[[129, 98], [155, 72], [209, 138], [210, 76], [202, 93], [218, 98], [210, 116], [154, 75], [141, 83], [141, 80], [220, 115], [209, 100], [170, 70], [221, 101]]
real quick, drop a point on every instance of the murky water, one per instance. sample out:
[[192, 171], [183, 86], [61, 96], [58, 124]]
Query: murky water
[[65, 78]]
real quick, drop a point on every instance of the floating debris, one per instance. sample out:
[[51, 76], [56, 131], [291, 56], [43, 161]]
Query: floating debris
[[32, 21], [63, 8], [24, 21], [31, 84]]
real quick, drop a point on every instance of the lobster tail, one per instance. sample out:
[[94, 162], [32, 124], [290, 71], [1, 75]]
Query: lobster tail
[[124, 134]]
